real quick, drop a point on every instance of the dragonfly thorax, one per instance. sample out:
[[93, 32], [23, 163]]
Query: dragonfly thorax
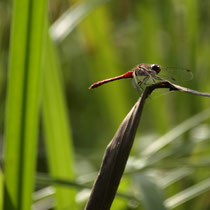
[[147, 70]]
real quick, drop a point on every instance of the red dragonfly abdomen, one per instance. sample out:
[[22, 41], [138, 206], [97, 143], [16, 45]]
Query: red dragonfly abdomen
[[128, 74]]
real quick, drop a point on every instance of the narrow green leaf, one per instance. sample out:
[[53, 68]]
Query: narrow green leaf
[[57, 129], [43, 193], [150, 193], [1, 190], [71, 18], [174, 176], [176, 132], [22, 109], [188, 194], [43, 198]]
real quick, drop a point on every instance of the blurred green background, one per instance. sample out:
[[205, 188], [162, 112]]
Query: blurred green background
[[98, 39]]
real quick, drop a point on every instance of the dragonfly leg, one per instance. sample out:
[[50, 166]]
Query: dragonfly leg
[[153, 79], [139, 86], [153, 75], [143, 81], [136, 83], [158, 78]]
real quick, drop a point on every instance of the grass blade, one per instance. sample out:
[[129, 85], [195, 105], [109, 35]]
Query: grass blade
[[188, 194], [57, 129], [1, 190], [71, 18], [176, 132], [23, 102], [151, 194]]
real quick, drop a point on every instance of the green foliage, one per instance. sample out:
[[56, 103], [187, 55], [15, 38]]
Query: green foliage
[[23, 96], [151, 194], [1, 190], [56, 128], [99, 39]]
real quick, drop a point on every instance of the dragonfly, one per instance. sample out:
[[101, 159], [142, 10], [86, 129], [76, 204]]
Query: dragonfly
[[146, 74]]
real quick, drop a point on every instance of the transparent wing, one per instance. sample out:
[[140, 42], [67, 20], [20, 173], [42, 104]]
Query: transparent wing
[[135, 84], [176, 75], [140, 82]]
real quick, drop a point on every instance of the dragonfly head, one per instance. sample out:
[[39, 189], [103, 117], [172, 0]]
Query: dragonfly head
[[156, 68]]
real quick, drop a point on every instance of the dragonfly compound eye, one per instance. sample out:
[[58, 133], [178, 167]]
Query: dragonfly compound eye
[[155, 68]]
